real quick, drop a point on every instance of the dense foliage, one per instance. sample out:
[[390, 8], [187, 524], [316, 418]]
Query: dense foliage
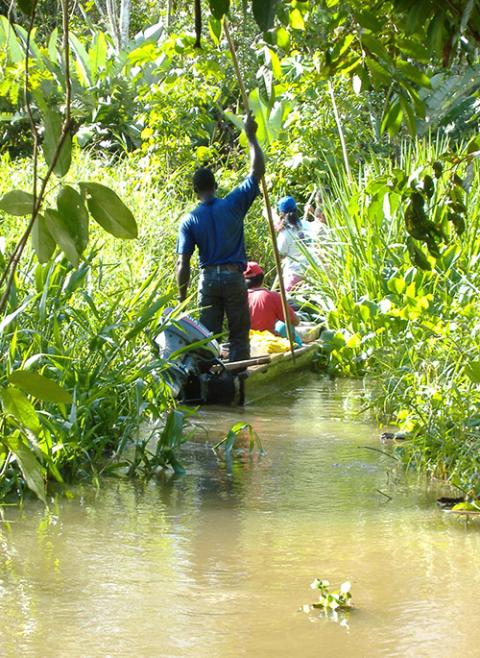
[[375, 104]]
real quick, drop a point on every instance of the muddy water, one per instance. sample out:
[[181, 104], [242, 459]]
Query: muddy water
[[218, 563]]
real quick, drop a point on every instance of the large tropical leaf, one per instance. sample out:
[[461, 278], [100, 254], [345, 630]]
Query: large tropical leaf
[[39, 386], [109, 210], [53, 130], [17, 202], [264, 12], [29, 464]]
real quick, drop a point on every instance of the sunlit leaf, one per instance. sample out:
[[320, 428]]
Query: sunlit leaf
[[272, 58], [63, 233], [109, 210], [296, 20], [392, 119], [29, 465], [413, 73], [396, 285], [380, 76], [472, 370], [16, 404], [283, 38], [42, 241], [39, 386], [71, 206], [17, 202], [53, 123]]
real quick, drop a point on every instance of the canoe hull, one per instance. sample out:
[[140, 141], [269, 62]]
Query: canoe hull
[[264, 376]]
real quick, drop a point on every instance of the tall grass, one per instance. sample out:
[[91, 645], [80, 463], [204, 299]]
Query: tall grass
[[415, 334]]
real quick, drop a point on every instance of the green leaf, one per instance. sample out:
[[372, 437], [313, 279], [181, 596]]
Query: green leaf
[[8, 319], [39, 386], [392, 119], [82, 60], [409, 115], [380, 75], [61, 231], [236, 120], [413, 73], [376, 47], [53, 130], [473, 146], [52, 46], [417, 255], [369, 21], [11, 44], [26, 6], [412, 49], [296, 20], [109, 210], [396, 285], [71, 206], [215, 30], [97, 56], [282, 38], [271, 58], [467, 12], [17, 202], [264, 13], [29, 464], [42, 241], [19, 406], [219, 7], [473, 371]]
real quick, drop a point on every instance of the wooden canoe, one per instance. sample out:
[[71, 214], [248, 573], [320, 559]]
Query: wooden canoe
[[280, 366]]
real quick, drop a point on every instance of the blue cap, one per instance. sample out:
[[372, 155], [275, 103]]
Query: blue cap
[[287, 204]]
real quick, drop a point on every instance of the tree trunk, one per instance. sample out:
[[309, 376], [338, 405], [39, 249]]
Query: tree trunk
[[113, 20], [124, 23], [169, 13]]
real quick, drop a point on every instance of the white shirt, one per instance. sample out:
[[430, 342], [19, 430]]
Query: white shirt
[[288, 240]]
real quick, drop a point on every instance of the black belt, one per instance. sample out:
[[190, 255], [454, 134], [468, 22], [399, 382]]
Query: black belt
[[226, 267]]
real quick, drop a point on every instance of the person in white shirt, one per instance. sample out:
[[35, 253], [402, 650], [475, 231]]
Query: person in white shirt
[[292, 240]]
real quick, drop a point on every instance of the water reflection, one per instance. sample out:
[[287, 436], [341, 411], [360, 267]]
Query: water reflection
[[218, 563]]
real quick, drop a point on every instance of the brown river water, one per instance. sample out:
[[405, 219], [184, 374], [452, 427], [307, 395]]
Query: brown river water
[[218, 563]]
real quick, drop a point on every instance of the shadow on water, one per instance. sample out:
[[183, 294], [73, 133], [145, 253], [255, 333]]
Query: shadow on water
[[218, 563]]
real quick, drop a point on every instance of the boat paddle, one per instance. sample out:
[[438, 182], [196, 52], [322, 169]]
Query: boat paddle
[[268, 207]]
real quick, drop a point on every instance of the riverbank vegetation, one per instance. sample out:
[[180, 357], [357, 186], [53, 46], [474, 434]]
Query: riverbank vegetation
[[376, 107]]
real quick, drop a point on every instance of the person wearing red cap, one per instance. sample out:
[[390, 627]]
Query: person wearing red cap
[[265, 305]]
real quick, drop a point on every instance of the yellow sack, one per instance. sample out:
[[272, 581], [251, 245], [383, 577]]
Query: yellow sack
[[264, 342]]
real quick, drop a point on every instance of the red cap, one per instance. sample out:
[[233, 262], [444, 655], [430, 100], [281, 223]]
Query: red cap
[[253, 269]]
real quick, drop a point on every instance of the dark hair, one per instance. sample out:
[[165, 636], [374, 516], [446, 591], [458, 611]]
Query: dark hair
[[255, 281], [204, 180], [290, 217]]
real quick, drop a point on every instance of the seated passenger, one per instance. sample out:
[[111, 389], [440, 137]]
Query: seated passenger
[[265, 305]]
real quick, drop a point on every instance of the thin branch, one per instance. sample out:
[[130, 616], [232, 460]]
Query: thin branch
[[389, 498], [382, 452], [340, 130], [14, 259]]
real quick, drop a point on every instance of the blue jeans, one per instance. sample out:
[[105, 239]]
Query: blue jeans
[[223, 293]]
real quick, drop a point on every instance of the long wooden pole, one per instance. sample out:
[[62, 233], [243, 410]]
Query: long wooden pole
[[266, 196]]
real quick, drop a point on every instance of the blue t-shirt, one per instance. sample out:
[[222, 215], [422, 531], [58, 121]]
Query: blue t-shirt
[[216, 227]]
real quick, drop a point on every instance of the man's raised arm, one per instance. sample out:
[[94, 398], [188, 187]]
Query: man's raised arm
[[257, 158]]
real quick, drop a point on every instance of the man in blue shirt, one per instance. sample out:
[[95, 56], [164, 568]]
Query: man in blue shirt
[[215, 226]]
